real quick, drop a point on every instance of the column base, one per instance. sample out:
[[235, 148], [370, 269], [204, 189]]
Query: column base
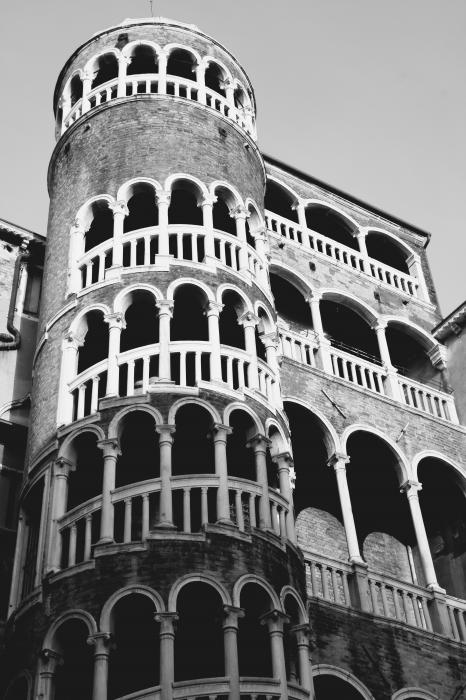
[[162, 262], [226, 522], [164, 525]]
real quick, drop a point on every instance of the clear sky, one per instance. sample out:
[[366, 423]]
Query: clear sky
[[366, 95]]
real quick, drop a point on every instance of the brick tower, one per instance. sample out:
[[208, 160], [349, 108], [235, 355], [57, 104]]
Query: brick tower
[[237, 398]]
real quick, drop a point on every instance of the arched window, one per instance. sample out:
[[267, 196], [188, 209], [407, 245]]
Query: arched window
[[328, 687], [280, 201], [221, 212], [85, 480], [385, 249], [139, 459], [240, 456], [143, 60], [95, 346], [410, 358], [240, 98], [214, 78], [73, 678], [329, 223], [135, 654], [142, 324], [76, 89], [106, 69], [189, 321], [100, 228], [182, 64], [253, 638], [199, 634], [231, 332], [142, 208], [184, 204], [290, 304], [348, 330], [193, 447]]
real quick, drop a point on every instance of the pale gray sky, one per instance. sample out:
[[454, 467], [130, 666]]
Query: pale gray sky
[[367, 95]]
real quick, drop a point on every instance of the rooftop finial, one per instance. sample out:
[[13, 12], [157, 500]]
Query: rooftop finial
[[151, 8]]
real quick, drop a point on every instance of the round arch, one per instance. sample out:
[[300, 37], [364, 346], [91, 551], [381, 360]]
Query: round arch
[[169, 48], [402, 463], [414, 692], [256, 215], [238, 85], [424, 338], [119, 303], [280, 444], [114, 427], [290, 591], [259, 307], [77, 323], [106, 613], [227, 287], [175, 177], [207, 60], [67, 86], [329, 205], [398, 241], [173, 286], [66, 447], [353, 302], [90, 65], [331, 439], [458, 472], [290, 190], [252, 578], [292, 276], [196, 578], [84, 212], [235, 199], [75, 614], [130, 46], [125, 188], [330, 670], [192, 400], [239, 406]]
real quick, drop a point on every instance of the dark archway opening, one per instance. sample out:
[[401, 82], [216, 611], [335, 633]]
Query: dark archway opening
[[107, 69], [95, 346], [85, 481], [143, 60], [142, 207], [290, 304], [193, 447], [221, 216], [214, 79], [139, 459], [231, 331], [329, 223], [329, 687], [73, 678], [253, 637], [181, 63], [384, 249], [411, 359], [240, 457], [184, 202], [348, 331], [101, 226], [76, 90], [189, 320], [142, 323], [280, 201]]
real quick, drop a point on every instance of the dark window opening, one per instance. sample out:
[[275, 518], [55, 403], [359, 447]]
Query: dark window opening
[[193, 447], [182, 64], [107, 69], [85, 481], [184, 207], [385, 250], [143, 60], [95, 347], [142, 208], [214, 78], [189, 320], [327, 222], [140, 458], [101, 226], [280, 201], [348, 331]]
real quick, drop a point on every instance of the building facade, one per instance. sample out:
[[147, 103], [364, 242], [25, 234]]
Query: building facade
[[245, 466]]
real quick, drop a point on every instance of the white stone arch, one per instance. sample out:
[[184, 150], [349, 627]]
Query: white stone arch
[[124, 192], [196, 578], [330, 670], [270, 325], [345, 298], [280, 442], [84, 214], [182, 281], [240, 406], [199, 186], [402, 468], [131, 45], [169, 48], [66, 448], [293, 277], [458, 472], [192, 400], [105, 622], [78, 326], [331, 438], [313, 201], [414, 692], [293, 593], [288, 188], [425, 338], [398, 241], [238, 85], [123, 299], [255, 216], [252, 578], [228, 287], [28, 678], [207, 60], [74, 614], [67, 86], [115, 424], [234, 200], [92, 62]]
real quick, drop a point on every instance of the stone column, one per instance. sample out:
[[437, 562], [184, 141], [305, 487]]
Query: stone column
[[163, 256], [100, 642], [120, 211], [415, 270], [77, 238], [270, 341], [208, 223], [361, 238], [324, 343], [220, 433], [167, 657], [275, 621], [301, 209], [229, 88], [111, 451], [259, 444], [283, 462], [165, 447], [69, 365], [249, 322], [240, 214], [301, 633], [162, 65], [87, 79], [49, 661], [230, 643], [165, 308], [392, 375], [42, 529], [200, 78], [411, 489], [123, 63], [116, 324], [213, 313], [15, 593], [61, 472]]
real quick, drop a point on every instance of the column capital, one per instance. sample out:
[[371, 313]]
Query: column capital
[[379, 325], [232, 616], [163, 197], [259, 443], [248, 319], [71, 340], [313, 296], [240, 212], [167, 622], [259, 232], [338, 460], [209, 200], [110, 447], [270, 340], [438, 356], [115, 320], [119, 207], [275, 620], [49, 656], [165, 307], [302, 633], [411, 488], [62, 467], [165, 430], [101, 643], [78, 227], [124, 59], [213, 308], [284, 460], [220, 432]]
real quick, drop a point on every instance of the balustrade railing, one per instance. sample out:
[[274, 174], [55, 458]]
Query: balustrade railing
[[219, 689], [400, 601], [79, 531], [456, 609], [323, 246], [152, 84], [428, 400], [87, 388], [357, 371], [327, 579], [298, 347]]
